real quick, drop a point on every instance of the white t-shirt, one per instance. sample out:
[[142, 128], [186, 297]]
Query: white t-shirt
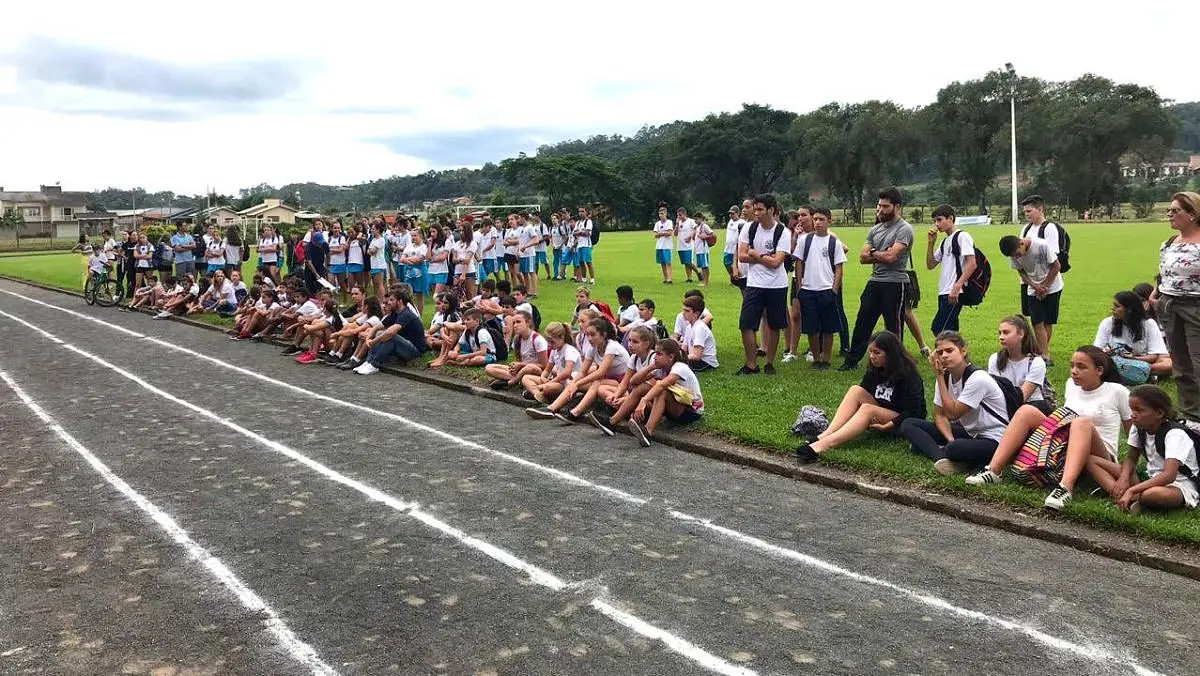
[[398, 240], [436, 267], [228, 293], [543, 233], [143, 249], [1036, 264], [758, 275], [531, 348], [214, 251], [564, 354], [583, 234], [524, 307], [416, 251], [337, 258], [309, 309], [620, 363], [269, 256], [731, 235], [511, 233], [483, 338], [698, 333], [981, 390], [1030, 230], [464, 257], [687, 231], [699, 246], [690, 382], [110, 249], [526, 235], [96, 261], [1151, 343], [1178, 446], [661, 227], [1021, 371], [1107, 406], [681, 323], [354, 252], [818, 274], [628, 314], [484, 239], [948, 275], [233, 253], [378, 252]]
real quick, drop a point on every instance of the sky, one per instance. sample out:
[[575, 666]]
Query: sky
[[189, 95]]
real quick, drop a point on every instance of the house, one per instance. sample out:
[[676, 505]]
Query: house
[[1164, 170], [272, 211], [49, 212], [220, 216]]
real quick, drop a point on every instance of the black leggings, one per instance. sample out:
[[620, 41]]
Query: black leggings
[[928, 441]]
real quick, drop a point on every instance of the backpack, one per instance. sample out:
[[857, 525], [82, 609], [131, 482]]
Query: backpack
[[156, 260], [1192, 434], [660, 331], [517, 344], [832, 252], [537, 317], [1064, 244], [605, 311], [497, 334], [978, 283], [1013, 398], [788, 263], [298, 252], [595, 233]]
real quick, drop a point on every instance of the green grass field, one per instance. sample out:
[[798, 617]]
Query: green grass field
[[1106, 258]]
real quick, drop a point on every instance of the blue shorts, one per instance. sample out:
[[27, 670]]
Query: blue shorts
[[419, 284], [540, 259], [662, 256], [685, 257], [528, 265], [489, 358], [583, 255], [437, 278], [337, 269], [818, 312], [702, 261], [489, 266], [399, 270], [354, 268], [568, 257], [378, 271], [263, 265], [728, 258]]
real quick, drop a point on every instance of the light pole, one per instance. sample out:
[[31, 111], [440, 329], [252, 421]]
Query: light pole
[[1012, 123]]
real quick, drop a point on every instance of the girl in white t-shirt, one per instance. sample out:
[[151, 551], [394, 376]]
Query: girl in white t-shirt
[[638, 380], [1018, 361], [604, 359], [676, 396], [1100, 402], [1170, 452], [1130, 335], [530, 352], [270, 246], [377, 257], [416, 268], [562, 365], [466, 251], [338, 246], [354, 329]]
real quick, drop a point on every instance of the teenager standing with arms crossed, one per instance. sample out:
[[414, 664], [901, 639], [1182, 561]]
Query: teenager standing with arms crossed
[[763, 246]]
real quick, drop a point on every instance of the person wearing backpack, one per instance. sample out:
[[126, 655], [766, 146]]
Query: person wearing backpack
[[820, 264], [1097, 408], [476, 345], [1037, 227], [970, 411], [887, 250], [956, 269], [763, 246], [1171, 464]]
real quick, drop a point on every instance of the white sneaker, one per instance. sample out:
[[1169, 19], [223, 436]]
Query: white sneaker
[[947, 467], [366, 369], [808, 357], [788, 357], [1058, 498], [162, 315], [987, 476]]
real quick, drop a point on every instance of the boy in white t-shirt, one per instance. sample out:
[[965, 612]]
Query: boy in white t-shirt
[[956, 270], [664, 234], [700, 247], [699, 344], [820, 264], [685, 230], [476, 346]]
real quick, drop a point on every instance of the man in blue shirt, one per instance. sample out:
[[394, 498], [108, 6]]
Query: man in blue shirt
[[402, 336], [183, 243]]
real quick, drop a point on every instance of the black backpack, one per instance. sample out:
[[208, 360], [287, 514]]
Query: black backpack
[[1013, 398], [787, 260], [832, 251], [492, 326], [1192, 434], [595, 233], [978, 283], [1064, 244], [537, 317]]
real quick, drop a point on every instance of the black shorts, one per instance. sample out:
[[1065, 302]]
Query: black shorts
[[1044, 310], [818, 312], [758, 302], [511, 259]]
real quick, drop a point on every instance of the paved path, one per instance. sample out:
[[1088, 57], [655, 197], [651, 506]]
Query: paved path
[[174, 501]]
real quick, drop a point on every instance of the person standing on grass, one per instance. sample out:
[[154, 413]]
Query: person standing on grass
[[685, 229], [703, 241], [183, 244], [1176, 299], [799, 221], [1037, 227], [733, 228], [887, 251], [583, 245], [1037, 264], [820, 264], [664, 233], [763, 246], [955, 270]]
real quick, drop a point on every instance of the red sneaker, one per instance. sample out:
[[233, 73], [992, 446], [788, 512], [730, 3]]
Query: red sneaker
[[306, 358]]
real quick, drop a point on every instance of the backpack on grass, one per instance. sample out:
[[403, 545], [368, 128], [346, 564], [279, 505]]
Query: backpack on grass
[[537, 317], [980, 280]]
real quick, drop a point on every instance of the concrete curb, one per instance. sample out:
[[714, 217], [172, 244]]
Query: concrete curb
[[1130, 548]]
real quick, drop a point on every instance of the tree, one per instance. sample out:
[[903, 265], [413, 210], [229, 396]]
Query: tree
[[568, 180], [727, 157], [854, 148]]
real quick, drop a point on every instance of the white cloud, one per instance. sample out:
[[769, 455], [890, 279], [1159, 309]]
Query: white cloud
[[462, 73]]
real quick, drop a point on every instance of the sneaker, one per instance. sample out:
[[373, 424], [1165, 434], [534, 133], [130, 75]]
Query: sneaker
[[926, 352], [1135, 508], [805, 455], [162, 315], [788, 357], [639, 433], [499, 385], [808, 357], [527, 396], [539, 413], [821, 366], [1058, 498], [987, 476], [848, 367], [350, 364], [947, 467], [291, 349], [306, 358], [366, 369], [236, 336], [746, 371], [567, 417], [595, 421], [769, 369]]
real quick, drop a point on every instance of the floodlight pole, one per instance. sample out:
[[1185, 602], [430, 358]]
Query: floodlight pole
[[1012, 113]]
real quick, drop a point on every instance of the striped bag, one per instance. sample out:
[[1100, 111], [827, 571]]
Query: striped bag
[[1040, 460]]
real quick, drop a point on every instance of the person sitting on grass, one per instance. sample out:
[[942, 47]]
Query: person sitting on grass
[[676, 396], [475, 344], [1100, 404], [891, 391], [603, 359], [681, 324], [637, 381], [1171, 463], [250, 320], [1133, 340], [627, 309], [179, 304], [645, 317], [530, 349], [699, 344], [275, 316], [355, 329], [1145, 290], [245, 309], [970, 411], [316, 331], [218, 298], [583, 301], [561, 366], [144, 295], [437, 337], [1018, 361], [399, 336], [304, 307]]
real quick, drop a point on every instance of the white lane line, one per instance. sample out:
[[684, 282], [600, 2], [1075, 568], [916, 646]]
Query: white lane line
[[538, 575], [295, 648], [936, 603]]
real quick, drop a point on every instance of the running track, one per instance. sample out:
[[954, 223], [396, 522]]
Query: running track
[[175, 503]]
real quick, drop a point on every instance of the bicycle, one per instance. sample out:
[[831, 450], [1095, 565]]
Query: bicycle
[[102, 290]]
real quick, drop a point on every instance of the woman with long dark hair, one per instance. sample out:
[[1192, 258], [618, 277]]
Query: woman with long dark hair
[[1133, 340]]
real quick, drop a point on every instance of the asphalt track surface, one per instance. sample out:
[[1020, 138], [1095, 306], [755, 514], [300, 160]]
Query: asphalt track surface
[[172, 502]]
